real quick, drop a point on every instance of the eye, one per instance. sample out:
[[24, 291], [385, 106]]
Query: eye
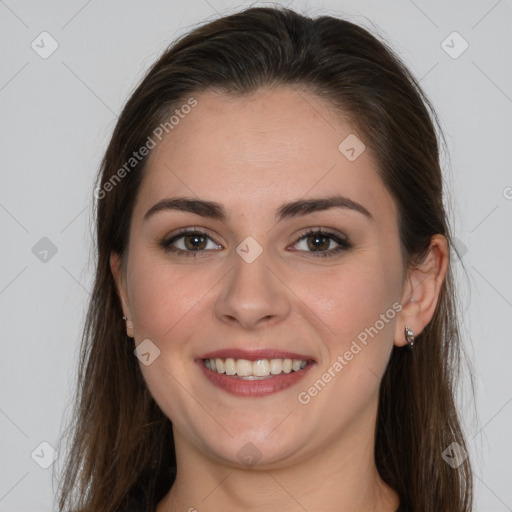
[[189, 242], [320, 243]]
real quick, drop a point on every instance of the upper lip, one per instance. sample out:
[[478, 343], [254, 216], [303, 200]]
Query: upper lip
[[254, 355]]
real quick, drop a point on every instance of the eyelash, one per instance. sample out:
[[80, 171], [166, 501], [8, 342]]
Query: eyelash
[[343, 243]]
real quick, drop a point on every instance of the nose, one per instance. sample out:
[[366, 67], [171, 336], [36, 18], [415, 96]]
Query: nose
[[253, 295]]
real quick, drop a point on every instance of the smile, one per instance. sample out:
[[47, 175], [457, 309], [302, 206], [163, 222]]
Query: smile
[[251, 370], [254, 373]]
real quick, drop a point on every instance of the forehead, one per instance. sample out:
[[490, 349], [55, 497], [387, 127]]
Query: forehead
[[268, 147]]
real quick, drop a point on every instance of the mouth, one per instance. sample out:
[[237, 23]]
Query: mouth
[[256, 373], [253, 370]]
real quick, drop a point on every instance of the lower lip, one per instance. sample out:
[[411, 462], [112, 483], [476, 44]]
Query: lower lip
[[254, 388]]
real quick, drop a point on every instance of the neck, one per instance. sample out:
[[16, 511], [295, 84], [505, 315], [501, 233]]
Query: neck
[[340, 477]]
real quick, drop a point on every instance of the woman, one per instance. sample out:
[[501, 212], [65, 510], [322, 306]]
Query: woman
[[273, 323]]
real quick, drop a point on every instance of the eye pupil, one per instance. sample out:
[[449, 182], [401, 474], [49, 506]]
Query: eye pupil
[[319, 242], [197, 242]]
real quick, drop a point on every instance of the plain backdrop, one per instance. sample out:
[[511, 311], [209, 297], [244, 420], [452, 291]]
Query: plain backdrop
[[57, 112]]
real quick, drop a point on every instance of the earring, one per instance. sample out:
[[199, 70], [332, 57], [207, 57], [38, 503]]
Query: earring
[[129, 327], [409, 336]]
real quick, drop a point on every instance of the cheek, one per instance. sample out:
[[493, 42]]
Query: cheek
[[167, 298], [357, 318], [349, 299], [167, 302]]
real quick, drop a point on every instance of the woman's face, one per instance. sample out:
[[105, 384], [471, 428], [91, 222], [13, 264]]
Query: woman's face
[[253, 289]]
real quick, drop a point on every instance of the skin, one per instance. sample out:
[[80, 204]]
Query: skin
[[252, 154]]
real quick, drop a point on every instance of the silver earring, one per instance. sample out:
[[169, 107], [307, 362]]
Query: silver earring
[[409, 336]]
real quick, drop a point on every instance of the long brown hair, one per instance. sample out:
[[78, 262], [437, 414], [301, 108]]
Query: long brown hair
[[122, 444]]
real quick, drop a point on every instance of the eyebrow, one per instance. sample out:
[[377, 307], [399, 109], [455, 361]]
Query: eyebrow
[[297, 208]]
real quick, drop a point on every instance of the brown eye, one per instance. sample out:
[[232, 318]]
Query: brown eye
[[318, 242], [321, 243], [190, 243], [195, 242]]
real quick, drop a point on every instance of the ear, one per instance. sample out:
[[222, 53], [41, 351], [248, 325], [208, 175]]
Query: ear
[[421, 289], [119, 278]]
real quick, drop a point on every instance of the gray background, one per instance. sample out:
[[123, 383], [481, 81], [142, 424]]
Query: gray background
[[57, 115]]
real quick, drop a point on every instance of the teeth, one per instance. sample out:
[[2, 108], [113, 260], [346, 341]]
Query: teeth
[[219, 363], [261, 368], [252, 370], [287, 365], [296, 366], [276, 366], [230, 366], [243, 368]]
